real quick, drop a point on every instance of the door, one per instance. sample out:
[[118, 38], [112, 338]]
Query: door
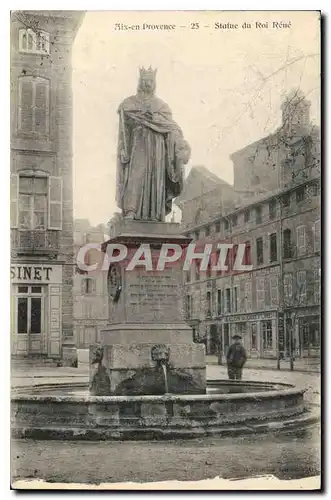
[[226, 338], [29, 332], [214, 339]]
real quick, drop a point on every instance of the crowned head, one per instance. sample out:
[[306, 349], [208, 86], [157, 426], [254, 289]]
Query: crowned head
[[147, 80]]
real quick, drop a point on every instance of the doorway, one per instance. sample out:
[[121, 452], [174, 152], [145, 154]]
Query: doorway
[[29, 335]]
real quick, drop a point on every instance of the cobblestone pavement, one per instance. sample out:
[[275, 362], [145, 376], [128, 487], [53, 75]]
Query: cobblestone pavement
[[290, 456]]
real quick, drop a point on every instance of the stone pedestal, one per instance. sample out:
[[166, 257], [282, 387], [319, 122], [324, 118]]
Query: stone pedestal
[[147, 310]]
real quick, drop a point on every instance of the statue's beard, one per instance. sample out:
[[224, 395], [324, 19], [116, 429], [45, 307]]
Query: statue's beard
[[146, 91]]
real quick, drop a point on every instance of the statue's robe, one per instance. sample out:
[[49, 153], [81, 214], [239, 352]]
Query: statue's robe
[[153, 176]]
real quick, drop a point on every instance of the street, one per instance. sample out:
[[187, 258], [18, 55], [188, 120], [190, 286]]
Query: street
[[285, 456]]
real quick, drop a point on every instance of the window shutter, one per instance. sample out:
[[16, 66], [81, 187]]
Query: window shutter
[[55, 203], [25, 107], [317, 235], [41, 106], [274, 290], [14, 186]]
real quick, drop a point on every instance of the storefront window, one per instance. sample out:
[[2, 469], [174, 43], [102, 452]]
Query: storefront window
[[22, 315], [267, 334], [253, 336], [29, 309]]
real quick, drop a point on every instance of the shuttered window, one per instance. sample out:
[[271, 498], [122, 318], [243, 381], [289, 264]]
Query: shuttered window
[[273, 282], [34, 42], [55, 203], [260, 293], [33, 105], [288, 285], [36, 203], [14, 182]]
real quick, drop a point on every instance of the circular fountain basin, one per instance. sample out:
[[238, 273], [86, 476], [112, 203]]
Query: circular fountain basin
[[67, 411]]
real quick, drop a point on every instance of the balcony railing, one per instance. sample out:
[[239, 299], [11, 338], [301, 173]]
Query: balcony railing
[[34, 242]]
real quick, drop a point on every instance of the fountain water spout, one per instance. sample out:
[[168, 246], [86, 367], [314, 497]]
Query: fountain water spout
[[160, 354], [165, 374]]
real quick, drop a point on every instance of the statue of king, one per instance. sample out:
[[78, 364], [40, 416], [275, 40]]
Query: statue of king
[[151, 154]]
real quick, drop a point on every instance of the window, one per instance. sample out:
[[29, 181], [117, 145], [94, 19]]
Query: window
[[226, 224], [234, 251], [88, 286], [300, 194], [33, 105], [273, 282], [248, 295], [197, 271], [253, 336], [259, 251], [317, 235], [218, 227], [32, 203], [188, 276], [272, 209], [260, 293], [188, 306], [207, 231], [29, 310], [247, 254], [258, 215], [247, 215], [219, 302], [228, 300], [301, 285], [208, 271], [273, 247], [33, 42], [288, 285], [287, 200], [267, 334], [317, 286], [36, 202], [301, 238], [287, 244], [234, 220], [313, 190], [235, 298], [241, 329], [208, 304]]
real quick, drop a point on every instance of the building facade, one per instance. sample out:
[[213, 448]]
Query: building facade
[[42, 264], [275, 306], [91, 307]]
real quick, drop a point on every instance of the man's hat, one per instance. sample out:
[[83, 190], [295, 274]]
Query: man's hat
[[236, 337]]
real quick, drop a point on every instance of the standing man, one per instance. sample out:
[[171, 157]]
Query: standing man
[[236, 358]]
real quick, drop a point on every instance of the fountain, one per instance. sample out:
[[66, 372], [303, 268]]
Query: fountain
[[147, 376]]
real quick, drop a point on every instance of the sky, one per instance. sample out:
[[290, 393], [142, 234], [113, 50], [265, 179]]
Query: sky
[[224, 87]]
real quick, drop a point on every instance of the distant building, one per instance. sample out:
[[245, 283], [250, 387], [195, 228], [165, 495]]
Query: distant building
[[91, 312], [279, 299], [204, 196], [41, 182]]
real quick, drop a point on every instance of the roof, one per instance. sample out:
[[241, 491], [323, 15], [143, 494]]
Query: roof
[[199, 181]]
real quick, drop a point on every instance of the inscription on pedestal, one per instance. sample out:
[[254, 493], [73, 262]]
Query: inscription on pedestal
[[155, 296]]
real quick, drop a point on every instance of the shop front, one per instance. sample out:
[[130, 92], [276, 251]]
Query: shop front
[[307, 336], [257, 330], [36, 320]]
